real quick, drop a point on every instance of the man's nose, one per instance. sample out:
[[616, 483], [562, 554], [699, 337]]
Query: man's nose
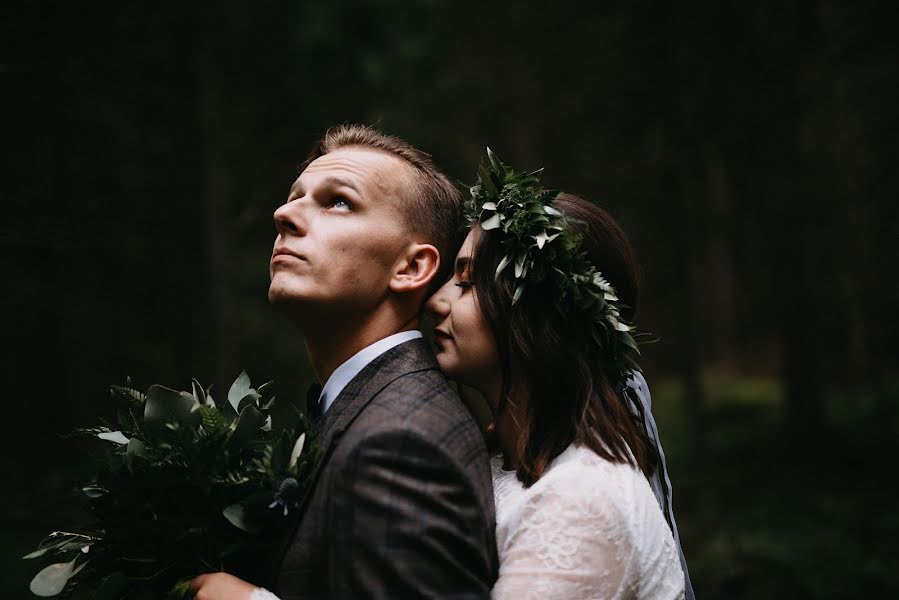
[[289, 219]]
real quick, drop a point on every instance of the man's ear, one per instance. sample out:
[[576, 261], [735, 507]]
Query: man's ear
[[417, 269]]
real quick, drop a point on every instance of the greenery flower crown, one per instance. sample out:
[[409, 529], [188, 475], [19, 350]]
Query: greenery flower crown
[[540, 246]]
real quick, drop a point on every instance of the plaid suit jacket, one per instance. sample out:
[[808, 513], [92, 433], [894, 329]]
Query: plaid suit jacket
[[403, 502]]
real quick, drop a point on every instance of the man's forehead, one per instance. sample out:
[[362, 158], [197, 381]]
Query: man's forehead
[[360, 166]]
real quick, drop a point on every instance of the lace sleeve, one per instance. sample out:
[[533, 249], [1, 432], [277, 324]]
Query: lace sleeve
[[580, 536], [263, 594]]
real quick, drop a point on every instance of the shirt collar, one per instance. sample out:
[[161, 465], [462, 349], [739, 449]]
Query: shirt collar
[[349, 369]]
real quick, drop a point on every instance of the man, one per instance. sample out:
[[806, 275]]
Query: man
[[403, 504]]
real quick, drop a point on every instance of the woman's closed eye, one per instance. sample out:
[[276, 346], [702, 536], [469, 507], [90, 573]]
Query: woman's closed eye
[[464, 284]]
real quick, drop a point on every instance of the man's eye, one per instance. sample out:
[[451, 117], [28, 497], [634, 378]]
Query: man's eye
[[341, 202]]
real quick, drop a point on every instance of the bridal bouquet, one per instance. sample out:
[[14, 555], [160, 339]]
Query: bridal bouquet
[[184, 486]]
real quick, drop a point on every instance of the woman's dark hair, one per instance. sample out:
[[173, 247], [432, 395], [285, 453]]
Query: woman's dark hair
[[570, 397]]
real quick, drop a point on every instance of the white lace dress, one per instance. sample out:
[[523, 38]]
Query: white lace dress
[[588, 528]]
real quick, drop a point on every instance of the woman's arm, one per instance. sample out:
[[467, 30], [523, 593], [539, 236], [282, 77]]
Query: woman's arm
[[222, 586]]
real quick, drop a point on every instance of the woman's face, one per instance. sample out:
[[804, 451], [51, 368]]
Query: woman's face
[[466, 351]]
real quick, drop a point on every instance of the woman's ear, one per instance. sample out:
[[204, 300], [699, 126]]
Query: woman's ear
[[417, 269]]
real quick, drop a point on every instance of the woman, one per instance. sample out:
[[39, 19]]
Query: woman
[[535, 318]]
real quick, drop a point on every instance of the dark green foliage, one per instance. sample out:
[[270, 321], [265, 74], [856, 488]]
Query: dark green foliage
[[183, 489], [541, 248]]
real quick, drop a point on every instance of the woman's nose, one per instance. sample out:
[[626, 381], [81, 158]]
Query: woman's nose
[[438, 304]]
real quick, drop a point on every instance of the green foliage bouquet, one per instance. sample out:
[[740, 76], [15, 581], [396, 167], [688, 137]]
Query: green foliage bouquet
[[186, 486]]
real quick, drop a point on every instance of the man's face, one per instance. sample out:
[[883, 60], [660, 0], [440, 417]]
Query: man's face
[[341, 232]]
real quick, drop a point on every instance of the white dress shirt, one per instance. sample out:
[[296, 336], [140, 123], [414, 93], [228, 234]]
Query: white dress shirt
[[353, 365]]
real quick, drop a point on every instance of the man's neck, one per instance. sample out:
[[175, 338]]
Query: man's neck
[[329, 345]]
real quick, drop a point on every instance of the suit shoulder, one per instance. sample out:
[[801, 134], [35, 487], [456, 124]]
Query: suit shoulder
[[422, 396], [423, 404]]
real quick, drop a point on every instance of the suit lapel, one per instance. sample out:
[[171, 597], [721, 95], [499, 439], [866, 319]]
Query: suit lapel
[[408, 357]]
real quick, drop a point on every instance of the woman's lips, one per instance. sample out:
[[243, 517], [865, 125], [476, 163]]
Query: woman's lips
[[441, 337]]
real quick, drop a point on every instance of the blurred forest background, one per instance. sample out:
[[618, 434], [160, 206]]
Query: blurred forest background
[[749, 148]]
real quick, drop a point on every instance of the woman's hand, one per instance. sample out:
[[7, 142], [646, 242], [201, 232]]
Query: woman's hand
[[220, 586]]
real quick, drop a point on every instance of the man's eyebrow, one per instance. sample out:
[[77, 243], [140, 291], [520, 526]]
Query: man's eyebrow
[[331, 180], [336, 181]]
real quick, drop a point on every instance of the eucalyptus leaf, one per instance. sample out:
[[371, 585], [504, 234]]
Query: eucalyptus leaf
[[238, 516], [552, 211], [266, 389], [252, 398], [198, 392], [488, 185], [519, 289], [51, 580], [494, 161], [76, 545], [491, 223], [168, 406], [57, 543], [229, 412], [542, 238], [247, 425], [297, 450], [268, 403], [631, 365], [519, 266], [496, 180], [502, 265], [113, 436], [94, 491], [629, 341], [136, 448], [239, 389], [618, 325], [266, 395]]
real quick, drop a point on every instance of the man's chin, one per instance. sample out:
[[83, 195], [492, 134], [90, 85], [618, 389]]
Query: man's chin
[[281, 296]]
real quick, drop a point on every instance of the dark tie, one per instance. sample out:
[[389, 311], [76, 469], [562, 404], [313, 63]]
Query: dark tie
[[313, 406]]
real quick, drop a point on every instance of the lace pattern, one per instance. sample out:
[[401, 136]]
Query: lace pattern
[[587, 529]]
